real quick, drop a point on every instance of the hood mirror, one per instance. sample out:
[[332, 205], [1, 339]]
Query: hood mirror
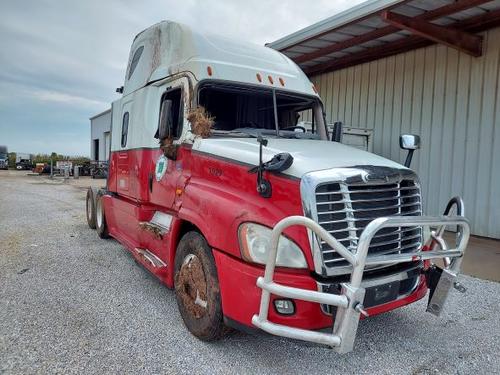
[[279, 163], [410, 142]]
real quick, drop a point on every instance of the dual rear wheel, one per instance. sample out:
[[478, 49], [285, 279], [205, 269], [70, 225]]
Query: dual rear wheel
[[96, 218]]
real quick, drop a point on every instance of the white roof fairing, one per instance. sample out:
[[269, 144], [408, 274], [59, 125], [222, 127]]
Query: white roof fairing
[[171, 47]]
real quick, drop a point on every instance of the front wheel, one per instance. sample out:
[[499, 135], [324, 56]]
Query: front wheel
[[197, 288]]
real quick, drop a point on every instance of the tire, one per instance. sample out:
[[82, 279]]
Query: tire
[[197, 288], [100, 217], [90, 208]]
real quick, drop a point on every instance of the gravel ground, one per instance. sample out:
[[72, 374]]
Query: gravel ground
[[72, 303]]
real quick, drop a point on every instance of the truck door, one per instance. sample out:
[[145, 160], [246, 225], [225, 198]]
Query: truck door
[[168, 172]]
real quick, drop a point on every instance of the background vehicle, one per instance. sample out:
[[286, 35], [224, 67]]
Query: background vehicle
[[213, 178], [4, 157], [23, 161]]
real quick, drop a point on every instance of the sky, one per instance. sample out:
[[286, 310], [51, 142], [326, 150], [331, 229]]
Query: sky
[[60, 61]]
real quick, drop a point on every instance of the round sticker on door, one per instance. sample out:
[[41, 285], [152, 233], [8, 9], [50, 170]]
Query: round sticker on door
[[161, 167]]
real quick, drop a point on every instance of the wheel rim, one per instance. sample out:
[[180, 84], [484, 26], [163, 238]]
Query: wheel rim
[[191, 286], [99, 213]]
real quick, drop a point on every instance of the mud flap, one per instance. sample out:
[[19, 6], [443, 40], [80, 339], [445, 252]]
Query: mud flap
[[440, 281]]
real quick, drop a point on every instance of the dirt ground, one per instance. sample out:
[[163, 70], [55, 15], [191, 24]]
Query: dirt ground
[[73, 303]]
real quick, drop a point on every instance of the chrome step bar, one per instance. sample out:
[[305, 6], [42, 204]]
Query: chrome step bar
[[152, 259], [350, 301]]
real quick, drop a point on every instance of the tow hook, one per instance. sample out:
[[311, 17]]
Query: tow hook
[[361, 309], [458, 286]]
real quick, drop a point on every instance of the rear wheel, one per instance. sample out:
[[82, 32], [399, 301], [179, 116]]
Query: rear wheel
[[101, 225], [197, 288], [90, 205]]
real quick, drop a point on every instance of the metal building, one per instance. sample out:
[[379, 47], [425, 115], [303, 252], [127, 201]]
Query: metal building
[[428, 67], [100, 136]]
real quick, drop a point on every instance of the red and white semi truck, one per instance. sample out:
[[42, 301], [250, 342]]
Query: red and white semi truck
[[225, 182]]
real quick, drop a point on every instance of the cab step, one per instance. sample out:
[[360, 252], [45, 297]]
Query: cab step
[[150, 258]]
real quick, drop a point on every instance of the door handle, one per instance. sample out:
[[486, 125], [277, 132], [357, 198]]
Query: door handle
[[150, 182]]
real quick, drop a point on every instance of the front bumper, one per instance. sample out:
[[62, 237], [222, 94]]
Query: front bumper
[[349, 303], [241, 296]]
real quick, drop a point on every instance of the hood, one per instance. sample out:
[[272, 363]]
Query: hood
[[308, 155]]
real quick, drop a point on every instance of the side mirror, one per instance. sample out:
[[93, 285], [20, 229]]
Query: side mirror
[[337, 132], [165, 127], [410, 142]]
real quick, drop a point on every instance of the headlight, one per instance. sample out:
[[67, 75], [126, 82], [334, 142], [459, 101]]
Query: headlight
[[254, 245]]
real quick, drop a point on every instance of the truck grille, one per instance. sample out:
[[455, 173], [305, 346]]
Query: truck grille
[[345, 210]]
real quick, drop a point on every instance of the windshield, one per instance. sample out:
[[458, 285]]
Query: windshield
[[248, 111]]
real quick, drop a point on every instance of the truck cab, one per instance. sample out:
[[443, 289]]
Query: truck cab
[[226, 183]]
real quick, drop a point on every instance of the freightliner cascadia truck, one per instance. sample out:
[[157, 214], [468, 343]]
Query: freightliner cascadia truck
[[226, 183]]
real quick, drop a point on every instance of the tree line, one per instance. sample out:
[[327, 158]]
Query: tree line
[[46, 158]]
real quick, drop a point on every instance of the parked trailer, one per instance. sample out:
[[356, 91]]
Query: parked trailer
[[255, 221]]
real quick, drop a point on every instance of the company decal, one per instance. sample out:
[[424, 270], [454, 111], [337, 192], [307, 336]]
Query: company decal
[[161, 167], [217, 172]]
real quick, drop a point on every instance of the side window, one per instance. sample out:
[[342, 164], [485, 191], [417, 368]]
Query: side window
[[135, 61], [125, 129], [177, 110]]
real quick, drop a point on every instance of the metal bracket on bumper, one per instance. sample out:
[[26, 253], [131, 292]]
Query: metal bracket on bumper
[[350, 300]]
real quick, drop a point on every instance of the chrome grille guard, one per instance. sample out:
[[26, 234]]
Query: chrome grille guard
[[350, 301]]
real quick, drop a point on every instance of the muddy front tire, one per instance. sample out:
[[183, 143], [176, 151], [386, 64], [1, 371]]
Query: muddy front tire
[[100, 217], [90, 208], [197, 288]]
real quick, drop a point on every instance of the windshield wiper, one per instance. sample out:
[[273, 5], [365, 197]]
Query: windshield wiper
[[234, 133]]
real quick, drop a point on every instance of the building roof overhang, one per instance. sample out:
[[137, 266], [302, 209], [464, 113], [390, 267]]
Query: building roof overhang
[[380, 28]]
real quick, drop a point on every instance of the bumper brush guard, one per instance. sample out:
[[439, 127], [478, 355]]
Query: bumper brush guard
[[350, 301]]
